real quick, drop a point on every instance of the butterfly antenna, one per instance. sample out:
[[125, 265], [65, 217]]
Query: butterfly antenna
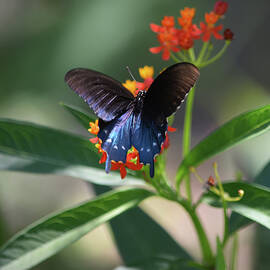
[[127, 67]]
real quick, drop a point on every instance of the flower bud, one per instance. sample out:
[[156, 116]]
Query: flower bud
[[220, 7], [228, 34]]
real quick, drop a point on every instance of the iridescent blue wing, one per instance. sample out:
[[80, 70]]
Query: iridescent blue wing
[[132, 129], [105, 96], [147, 138], [169, 90], [116, 137]]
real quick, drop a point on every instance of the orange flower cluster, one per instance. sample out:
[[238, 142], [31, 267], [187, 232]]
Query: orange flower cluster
[[167, 37], [189, 31], [209, 27], [172, 39]]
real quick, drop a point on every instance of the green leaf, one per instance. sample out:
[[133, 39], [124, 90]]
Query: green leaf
[[83, 118], [32, 148], [263, 177], [140, 238], [45, 144], [254, 205], [237, 221], [220, 260], [51, 234], [242, 127], [93, 175]]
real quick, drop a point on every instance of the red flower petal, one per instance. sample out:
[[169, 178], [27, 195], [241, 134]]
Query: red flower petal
[[140, 85], [166, 142], [155, 28], [123, 171], [147, 83], [175, 49], [171, 129], [203, 26], [215, 32], [218, 28], [206, 36], [166, 54], [94, 140], [133, 166], [195, 31], [217, 35], [115, 166], [155, 49], [103, 158]]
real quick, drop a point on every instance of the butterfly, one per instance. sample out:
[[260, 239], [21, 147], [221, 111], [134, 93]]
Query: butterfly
[[125, 120]]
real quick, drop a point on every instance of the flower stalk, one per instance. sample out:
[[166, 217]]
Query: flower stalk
[[217, 56]]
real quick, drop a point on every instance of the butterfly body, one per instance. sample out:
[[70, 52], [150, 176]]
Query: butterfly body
[[127, 121]]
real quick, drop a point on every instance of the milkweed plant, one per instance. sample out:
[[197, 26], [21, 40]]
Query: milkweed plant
[[27, 147]]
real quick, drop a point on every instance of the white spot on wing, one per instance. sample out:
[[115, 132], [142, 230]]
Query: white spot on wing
[[105, 131], [109, 140], [159, 134], [141, 149], [154, 143], [115, 147], [148, 150], [123, 147]]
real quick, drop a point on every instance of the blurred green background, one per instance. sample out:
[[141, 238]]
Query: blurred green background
[[40, 40]]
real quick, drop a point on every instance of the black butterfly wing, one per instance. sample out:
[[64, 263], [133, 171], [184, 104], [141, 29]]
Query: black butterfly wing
[[169, 90], [105, 96]]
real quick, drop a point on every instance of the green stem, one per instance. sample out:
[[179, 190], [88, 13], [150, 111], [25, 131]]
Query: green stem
[[209, 51], [233, 265], [217, 56], [226, 222], [191, 54], [175, 58], [182, 56], [203, 240], [224, 204], [202, 53], [187, 136]]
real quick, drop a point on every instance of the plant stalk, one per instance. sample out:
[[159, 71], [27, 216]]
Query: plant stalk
[[202, 53], [233, 265], [224, 204], [202, 237], [175, 58], [187, 136], [216, 57], [191, 54]]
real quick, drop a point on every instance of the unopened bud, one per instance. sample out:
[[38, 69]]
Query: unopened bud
[[211, 181], [241, 192]]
